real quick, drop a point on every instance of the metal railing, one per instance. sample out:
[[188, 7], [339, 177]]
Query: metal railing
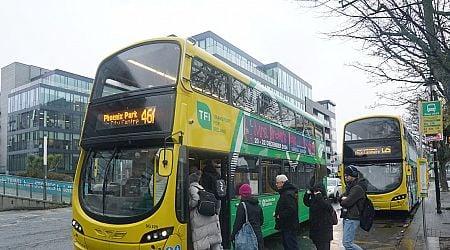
[[36, 191]]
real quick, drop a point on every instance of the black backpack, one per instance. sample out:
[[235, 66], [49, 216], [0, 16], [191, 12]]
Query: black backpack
[[366, 215], [207, 204]]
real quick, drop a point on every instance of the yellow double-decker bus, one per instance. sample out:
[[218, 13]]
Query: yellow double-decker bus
[[385, 154], [162, 109]]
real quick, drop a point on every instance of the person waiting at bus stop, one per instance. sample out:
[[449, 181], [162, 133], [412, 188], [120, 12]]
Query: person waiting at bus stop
[[286, 212], [254, 212], [351, 201], [206, 232], [321, 225]]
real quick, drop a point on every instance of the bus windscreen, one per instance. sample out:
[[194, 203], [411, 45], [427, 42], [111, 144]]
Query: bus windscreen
[[145, 66], [372, 128]]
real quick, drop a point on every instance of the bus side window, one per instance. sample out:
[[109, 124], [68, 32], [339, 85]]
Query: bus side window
[[287, 117], [243, 97], [209, 80], [269, 108], [247, 171], [299, 122], [270, 170], [318, 132], [308, 129]]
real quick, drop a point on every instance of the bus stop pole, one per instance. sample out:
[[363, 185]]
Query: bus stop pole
[[436, 181], [424, 221]]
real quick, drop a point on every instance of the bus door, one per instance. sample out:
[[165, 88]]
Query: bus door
[[217, 165]]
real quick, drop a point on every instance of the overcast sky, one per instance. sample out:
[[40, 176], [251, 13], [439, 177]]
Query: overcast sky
[[76, 35]]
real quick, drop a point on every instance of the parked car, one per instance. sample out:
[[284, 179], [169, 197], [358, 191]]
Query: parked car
[[334, 188]]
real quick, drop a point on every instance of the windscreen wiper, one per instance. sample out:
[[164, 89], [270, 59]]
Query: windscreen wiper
[[105, 181]]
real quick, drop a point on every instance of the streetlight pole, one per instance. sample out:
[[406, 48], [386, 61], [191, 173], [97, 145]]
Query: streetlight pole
[[430, 83]]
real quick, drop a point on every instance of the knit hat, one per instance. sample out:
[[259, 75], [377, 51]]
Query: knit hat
[[245, 190], [351, 170]]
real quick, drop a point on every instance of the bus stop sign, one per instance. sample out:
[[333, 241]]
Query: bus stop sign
[[431, 119]]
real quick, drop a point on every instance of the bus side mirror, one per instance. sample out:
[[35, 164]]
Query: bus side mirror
[[165, 162]]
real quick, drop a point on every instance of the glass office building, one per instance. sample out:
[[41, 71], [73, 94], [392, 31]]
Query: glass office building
[[52, 105], [273, 76]]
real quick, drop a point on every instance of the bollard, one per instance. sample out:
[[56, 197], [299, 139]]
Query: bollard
[[61, 195], [17, 189], [31, 191]]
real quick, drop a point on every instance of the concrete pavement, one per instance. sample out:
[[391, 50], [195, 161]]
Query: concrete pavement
[[437, 225]]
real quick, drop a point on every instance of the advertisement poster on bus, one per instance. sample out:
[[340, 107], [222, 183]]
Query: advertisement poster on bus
[[266, 135]]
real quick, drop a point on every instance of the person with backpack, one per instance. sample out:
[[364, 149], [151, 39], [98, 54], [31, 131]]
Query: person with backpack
[[209, 179], [351, 202], [206, 232], [286, 212], [320, 216], [254, 215]]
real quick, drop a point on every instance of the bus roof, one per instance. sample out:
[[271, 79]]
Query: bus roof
[[374, 116], [224, 66]]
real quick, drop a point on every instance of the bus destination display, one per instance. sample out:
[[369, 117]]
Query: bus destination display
[[128, 118], [373, 150]]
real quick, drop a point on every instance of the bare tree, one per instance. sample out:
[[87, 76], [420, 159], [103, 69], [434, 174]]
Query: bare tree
[[408, 40]]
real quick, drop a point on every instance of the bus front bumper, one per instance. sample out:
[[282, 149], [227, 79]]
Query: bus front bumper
[[81, 242]]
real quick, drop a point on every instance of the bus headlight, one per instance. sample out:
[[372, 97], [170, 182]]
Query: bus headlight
[[399, 197], [156, 235], [77, 226]]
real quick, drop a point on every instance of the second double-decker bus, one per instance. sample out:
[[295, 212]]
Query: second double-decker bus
[[385, 154], [162, 109]]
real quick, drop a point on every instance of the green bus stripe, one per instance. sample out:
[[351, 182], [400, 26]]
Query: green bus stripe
[[237, 135]]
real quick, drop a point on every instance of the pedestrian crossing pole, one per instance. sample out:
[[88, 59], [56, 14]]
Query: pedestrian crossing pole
[[45, 167]]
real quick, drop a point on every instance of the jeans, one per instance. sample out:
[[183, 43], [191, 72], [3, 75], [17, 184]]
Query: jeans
[[350, 227], [289, 239]]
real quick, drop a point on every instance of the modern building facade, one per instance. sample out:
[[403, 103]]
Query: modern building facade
[[325, 111], [278, 79], [41, 103], [273, 76]]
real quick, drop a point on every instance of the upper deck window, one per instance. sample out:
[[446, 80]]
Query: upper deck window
[[372, 128], [144, 66], [209, 80]]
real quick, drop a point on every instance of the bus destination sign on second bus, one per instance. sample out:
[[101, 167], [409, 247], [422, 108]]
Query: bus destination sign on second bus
[[131, 117], [373, 151]]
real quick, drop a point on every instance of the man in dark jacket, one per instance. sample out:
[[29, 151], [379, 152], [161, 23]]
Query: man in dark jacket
[[286, 212], [320, 221], [210, 177], [351, 201]]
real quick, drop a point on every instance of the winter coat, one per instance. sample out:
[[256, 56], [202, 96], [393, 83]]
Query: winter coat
[[255, 217], [286, 212], [321, 225], [354, 193], [205, 229]]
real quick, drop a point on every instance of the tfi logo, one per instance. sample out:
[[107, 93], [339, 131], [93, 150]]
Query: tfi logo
[[204, 115]]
